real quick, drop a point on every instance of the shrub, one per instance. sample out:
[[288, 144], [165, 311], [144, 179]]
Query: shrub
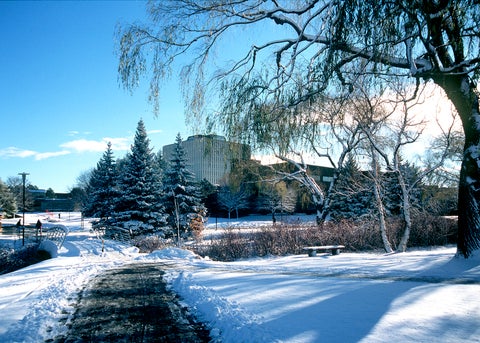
[[147, 244], [11, 260], [283, 239]]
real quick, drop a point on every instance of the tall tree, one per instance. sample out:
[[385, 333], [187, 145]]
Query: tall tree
[[182, 195], [139, 204], [232, 200], [102, 189], [276, 197], [314, 45], [15, 185], [352, 193], [8, 204]]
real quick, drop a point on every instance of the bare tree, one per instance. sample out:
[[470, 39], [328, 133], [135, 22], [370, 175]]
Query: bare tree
[[276, 197], [386, 144], [447, 175], [15, 185], [231, 200], [8, 204], [327, 130], [314, 46]]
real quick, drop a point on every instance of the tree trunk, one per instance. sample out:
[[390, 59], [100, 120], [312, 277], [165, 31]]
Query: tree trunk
[[379, 204], [402, 246], [463, 95]]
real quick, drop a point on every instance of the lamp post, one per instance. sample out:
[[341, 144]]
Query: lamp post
[[24, 176]]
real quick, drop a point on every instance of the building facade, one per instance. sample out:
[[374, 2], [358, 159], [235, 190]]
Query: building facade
[[210, 157]]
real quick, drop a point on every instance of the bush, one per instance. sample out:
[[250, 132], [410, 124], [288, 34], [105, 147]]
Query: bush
[[147, 244], [11, 260], [429, 230], [236, 243], [233, 244]]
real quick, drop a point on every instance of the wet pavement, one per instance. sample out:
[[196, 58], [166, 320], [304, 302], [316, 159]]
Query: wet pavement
[[131, 304]]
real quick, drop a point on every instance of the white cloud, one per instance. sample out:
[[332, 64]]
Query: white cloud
[[84, 145], [13, 152], [153, 132], [118, 144], [74, 146], [44, 155], [16, 152]]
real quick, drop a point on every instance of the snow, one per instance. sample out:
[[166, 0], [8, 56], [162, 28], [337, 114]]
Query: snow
[[50, 247], [417, 296]]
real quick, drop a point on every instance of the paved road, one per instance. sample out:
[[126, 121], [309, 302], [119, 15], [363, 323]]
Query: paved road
[[131, 304]]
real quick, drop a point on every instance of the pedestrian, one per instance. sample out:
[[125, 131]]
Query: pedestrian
[[39, 227]]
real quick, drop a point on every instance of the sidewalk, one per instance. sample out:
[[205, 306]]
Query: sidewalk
[[131, 304]]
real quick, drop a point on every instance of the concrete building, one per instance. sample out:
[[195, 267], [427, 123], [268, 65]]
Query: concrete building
[[210, 157]]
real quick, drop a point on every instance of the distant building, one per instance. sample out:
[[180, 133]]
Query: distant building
[[210, 157], [322, 175], [40, 202]]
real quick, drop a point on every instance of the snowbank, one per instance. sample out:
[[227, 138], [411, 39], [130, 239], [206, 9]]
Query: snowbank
[[170, 254], [49, 247]]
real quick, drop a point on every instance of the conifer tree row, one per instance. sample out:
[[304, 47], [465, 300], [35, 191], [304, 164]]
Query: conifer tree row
[[131, 193]]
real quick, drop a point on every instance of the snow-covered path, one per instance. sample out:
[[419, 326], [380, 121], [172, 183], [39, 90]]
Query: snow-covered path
[[34, 299], [418, 296]]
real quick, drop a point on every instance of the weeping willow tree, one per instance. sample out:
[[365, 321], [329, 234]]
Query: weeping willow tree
[[300, 50]]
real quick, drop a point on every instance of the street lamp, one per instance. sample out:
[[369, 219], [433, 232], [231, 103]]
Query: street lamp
[[24, 176]]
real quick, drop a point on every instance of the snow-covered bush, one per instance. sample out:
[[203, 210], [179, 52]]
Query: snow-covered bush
[[11, 260]]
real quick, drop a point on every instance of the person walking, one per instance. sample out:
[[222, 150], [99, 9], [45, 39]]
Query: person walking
[[38, 226]]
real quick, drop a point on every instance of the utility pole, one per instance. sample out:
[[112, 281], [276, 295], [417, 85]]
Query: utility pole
[[24, 177]]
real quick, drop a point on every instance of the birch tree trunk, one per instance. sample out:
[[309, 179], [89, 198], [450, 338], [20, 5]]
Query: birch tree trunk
[[402, 246], [379, 203]]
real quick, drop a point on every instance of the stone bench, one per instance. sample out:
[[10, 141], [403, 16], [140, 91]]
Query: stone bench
[[334, 249]]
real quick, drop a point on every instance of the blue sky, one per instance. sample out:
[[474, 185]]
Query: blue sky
[[60, 99]]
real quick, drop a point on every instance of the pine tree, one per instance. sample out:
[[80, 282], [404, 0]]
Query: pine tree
[[182, 194], [393, 192], [101, 189], [352, 196], [139, 207]]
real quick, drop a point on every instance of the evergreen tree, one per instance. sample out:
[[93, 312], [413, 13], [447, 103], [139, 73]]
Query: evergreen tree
[[209, 196], [139, 206], [161, 163], [393, 193], [352, 196], [101, 189], [182, 194]]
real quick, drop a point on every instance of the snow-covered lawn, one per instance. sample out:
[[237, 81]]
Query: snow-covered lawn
[[418, 296]]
